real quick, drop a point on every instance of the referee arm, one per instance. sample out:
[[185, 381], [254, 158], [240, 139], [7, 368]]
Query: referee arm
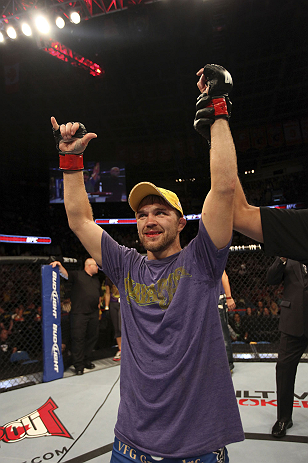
[[62, 270], [246, 218]]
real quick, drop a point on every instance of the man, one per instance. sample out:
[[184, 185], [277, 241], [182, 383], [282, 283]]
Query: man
[[114, 184], [112, 303], [85, 300], [226, 303], [177, 397], [283, 231], [89, 182], [6, 347], [293, 327]]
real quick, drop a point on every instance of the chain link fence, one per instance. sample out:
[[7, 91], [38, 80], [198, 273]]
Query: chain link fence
[[21, 357], [253, 324]]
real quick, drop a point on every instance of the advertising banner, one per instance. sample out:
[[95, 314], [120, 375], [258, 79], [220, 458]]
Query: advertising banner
[[51, 324]]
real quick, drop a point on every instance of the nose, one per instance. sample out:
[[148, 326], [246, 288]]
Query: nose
[[150, 220]]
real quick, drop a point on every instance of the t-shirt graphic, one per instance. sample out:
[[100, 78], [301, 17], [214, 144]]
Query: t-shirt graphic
[[160, 293]]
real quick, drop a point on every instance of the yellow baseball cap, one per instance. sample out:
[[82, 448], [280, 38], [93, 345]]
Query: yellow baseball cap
[[143, 189]]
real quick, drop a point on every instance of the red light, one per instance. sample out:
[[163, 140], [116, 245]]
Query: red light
[[64, 53]]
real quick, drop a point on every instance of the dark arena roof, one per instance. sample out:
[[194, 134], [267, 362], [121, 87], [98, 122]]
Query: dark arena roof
[[142, 104]]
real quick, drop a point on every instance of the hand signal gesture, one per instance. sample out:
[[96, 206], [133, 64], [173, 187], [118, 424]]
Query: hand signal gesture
[[71, 138]]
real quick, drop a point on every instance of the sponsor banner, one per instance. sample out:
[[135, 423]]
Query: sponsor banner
[[273, 403], [134, 221], [51, 324], [267, 398], [25, 239], [39, 423], [115, 221]]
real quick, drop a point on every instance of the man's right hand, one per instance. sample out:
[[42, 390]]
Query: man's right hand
[[71, 141], [63, 272], [55, 263]]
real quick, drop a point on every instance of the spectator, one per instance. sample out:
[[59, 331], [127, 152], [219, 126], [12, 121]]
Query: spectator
[[266, 329], [238, 328], [225, 304], [260, 308], [6, 321], [249, 324], [112, 303], [18, 315], [115, 185], [65, 331], [38, 314], [274, 309], [89, 182], [7, 347]]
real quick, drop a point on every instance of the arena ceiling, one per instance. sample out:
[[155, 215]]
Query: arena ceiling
[[150, 52]]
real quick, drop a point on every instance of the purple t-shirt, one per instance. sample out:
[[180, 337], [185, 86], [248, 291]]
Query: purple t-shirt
[[177, 395]]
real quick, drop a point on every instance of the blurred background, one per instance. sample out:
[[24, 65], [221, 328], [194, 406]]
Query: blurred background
[[128, 72]]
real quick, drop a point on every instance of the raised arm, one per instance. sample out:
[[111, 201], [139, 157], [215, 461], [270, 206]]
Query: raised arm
[[213, 110], [247, 218], [217, 211], [71, 140]]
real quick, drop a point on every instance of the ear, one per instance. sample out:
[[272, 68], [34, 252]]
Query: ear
[[182, 223]]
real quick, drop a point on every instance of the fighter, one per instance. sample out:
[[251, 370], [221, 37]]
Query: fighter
[[177, 398]]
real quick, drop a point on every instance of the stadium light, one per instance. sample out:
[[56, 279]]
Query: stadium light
[[60, 23], [75, 17], [26, 29], [1, 37], [42, 24], [11, 32]]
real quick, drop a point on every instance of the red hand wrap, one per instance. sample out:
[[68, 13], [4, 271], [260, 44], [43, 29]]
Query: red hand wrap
[[220, 107], [71, 161]]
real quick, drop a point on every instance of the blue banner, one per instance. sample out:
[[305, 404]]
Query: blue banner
[[51, 324]]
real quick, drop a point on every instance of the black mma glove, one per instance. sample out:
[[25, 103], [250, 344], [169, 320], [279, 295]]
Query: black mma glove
[[218, 79], [204, 115], [216, 103], [69, 160]]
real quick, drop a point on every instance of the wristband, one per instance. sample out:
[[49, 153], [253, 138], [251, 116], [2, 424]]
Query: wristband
[[220, 107], [229, 297], [71, 161]]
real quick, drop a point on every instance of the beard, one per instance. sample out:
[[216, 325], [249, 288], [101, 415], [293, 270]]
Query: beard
[[160, 244]]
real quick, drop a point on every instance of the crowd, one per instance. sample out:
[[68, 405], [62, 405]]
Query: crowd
[[282, 189], [21, 316], [20, 219], [20, 331], [257, 305], [254, 325]]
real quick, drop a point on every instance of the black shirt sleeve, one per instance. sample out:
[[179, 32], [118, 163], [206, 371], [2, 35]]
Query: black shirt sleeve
[[285, 233]]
